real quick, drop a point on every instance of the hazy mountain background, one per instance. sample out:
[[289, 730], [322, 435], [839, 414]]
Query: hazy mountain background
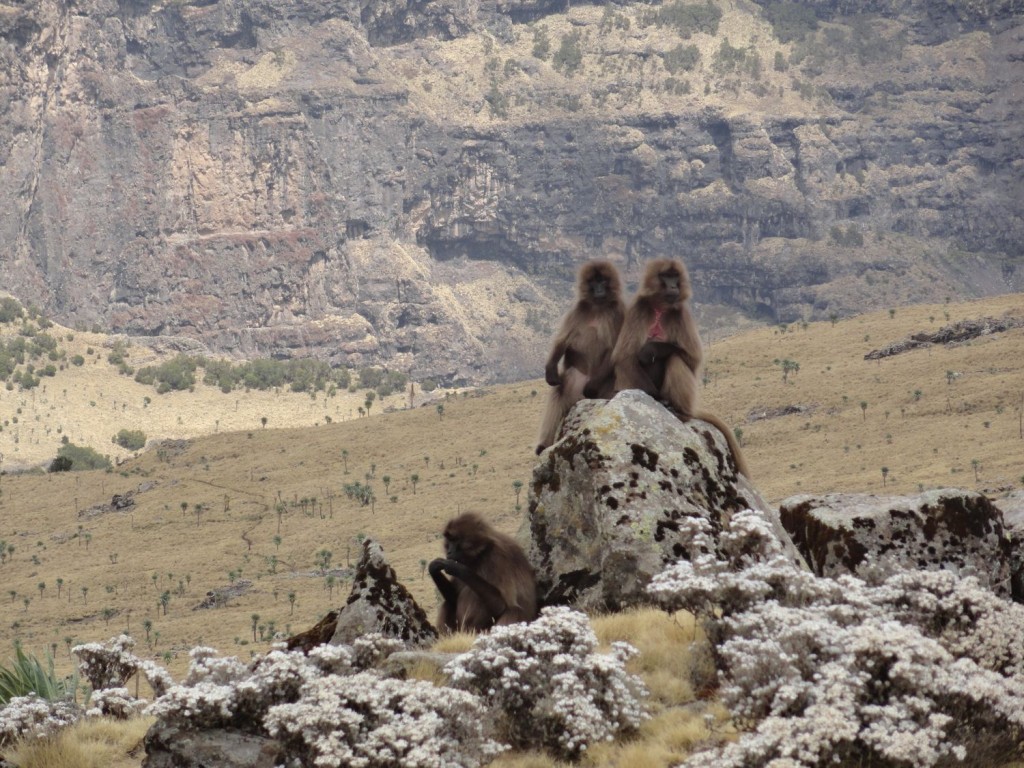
[[412, 183]]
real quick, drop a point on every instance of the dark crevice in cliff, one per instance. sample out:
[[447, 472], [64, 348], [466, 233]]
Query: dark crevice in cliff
[[482, 248], [243, 37], [721, 135]]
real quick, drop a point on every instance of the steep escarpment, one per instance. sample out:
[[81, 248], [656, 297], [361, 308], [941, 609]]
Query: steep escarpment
[[413, 183]]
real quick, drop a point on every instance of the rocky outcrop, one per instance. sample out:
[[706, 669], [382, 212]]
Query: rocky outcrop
[[318, 634], [378, 603], [119, 502], [948, 529], [762, 413], [965, 330], [413, 182], [172, 746], [221, 596], [895, 348], [608, 500], [1012, 507], [955, 333]]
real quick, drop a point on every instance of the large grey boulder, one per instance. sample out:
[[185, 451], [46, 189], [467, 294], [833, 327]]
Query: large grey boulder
[[379, 603], [170, 746], [607, 499], [1012, 506], [947, 529]]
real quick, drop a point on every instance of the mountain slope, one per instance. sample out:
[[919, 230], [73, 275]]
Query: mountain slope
[[264, 504]]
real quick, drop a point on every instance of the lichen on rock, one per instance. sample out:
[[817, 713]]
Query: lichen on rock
[[607, 499], [378, 603]]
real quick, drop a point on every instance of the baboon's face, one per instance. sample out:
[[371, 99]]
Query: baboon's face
[[462, 546], [599, 286], [670, 285]]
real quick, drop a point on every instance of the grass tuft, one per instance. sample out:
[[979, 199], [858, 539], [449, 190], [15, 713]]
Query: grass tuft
[[93, 743]]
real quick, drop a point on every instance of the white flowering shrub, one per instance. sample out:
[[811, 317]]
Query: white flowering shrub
[[551, 686], [368, 651], [35, 717], [159, 679], [332, 659], [222, 691], [107, 665], [368, 721], [967, 619], [117, 703], [328, 711], [206, 665], [915, 670]]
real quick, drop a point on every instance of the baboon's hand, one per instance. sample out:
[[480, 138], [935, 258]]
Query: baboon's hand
[[438, 567], [656, 350]]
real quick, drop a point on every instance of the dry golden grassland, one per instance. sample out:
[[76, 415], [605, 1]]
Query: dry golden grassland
[[95, 743], [89, 404], [963, 429]]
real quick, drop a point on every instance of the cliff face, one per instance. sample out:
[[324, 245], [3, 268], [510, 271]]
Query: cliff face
[[413, 183]]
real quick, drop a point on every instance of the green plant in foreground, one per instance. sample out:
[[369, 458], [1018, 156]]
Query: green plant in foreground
[[25, 674]]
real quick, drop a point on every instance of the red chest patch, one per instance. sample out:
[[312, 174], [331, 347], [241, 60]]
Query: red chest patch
[[656, 331]]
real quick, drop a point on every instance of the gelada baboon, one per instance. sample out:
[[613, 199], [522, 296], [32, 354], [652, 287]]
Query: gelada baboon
[[659, 349], [583, 345], [484, 578]]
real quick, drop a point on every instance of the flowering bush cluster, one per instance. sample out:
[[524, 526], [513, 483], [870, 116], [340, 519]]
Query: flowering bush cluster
[[551, 686], [35, 717], [107, 665], [117, 703], [332, 708], [910, 669], [371, 650], [329, 710], [365, 720]]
